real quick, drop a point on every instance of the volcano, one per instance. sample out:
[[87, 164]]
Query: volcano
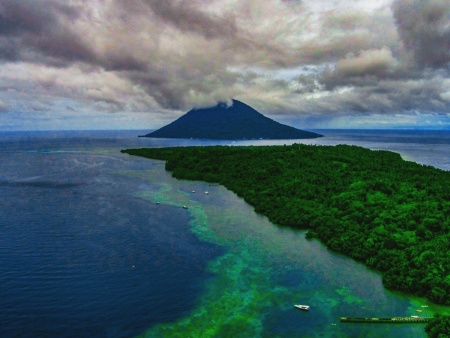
[[237, 121]]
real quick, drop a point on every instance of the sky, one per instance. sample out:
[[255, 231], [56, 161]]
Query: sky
[[140, 64]]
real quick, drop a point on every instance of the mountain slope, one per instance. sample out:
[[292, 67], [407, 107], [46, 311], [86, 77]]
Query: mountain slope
[[236, 122]]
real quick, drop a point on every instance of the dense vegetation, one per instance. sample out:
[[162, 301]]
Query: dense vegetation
[[439, 327], [391, 214]]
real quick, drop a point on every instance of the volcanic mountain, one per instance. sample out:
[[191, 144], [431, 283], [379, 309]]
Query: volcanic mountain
[[229, 122]]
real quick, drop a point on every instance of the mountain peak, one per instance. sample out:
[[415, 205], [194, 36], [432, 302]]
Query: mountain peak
[[237, 121]]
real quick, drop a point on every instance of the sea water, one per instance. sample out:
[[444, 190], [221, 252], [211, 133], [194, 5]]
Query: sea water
[[95, 243]]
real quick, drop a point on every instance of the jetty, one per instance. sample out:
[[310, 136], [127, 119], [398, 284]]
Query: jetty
[[391, 320]]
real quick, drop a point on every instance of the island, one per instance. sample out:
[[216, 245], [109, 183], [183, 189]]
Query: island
[[390, 214], [236, 121]]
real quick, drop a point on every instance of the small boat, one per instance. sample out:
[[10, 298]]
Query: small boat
[[419, 310], [185, 207], [424, 306], [206, 192], [302, 307]]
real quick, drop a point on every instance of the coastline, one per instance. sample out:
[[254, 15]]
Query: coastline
[[353, 210], [304, 271]]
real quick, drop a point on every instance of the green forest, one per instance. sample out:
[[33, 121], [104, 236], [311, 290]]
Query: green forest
[[393, 215], [438, 327]]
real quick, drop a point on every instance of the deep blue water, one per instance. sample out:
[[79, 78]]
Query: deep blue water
[[80, 256]]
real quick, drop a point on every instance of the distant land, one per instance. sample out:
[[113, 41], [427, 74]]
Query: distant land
[[237, 121]]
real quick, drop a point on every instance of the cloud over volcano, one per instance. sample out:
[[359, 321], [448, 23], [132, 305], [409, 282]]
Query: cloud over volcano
[[298, 60]]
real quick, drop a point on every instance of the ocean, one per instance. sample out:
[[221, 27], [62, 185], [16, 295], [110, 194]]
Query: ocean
[[95, 243]]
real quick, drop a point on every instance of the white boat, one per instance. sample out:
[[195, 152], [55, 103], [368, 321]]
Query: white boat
[[302, 307]]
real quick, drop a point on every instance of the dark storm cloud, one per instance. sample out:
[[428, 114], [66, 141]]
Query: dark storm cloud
[[425, 30], [9, 49], [39, 31], [18, 17]]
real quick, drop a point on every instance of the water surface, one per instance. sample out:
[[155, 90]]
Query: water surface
[[95, 243]]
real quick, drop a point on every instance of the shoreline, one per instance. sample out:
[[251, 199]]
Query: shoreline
[[315, 217]]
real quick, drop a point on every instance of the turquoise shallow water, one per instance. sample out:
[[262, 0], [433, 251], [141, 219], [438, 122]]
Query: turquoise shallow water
[[267, 269], [87, 251]]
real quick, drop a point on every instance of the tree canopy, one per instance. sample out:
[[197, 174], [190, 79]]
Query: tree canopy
[[438, 327], [390, 214]]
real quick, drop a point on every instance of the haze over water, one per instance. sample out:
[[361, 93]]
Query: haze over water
[[88, 251]]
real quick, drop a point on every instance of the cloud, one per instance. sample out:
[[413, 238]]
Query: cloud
[[366, 68], [87, 87], [3, 107], [288, 58], [367, 62], [188, 17], [424, 28], [41, 31]]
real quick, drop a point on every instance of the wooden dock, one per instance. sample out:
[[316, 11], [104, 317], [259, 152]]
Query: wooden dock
[[391, 320]]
